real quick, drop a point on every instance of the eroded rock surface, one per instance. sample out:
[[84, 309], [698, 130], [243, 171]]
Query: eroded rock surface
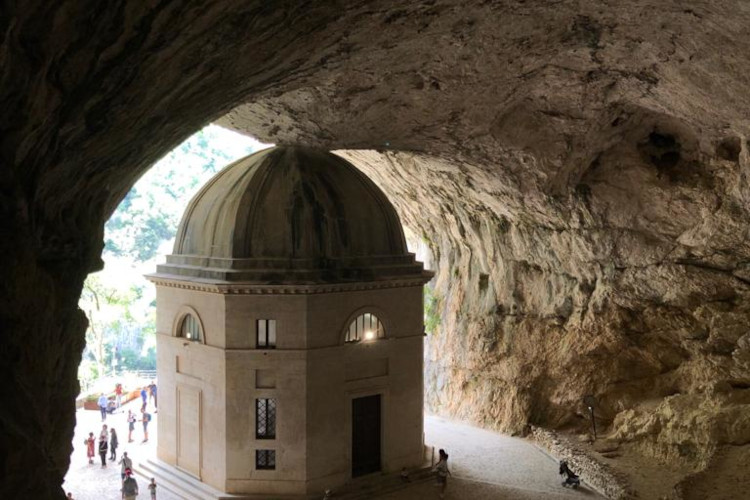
[[583, 188], [579, 171]]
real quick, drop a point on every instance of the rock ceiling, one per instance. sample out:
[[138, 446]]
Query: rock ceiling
[[579, 171]]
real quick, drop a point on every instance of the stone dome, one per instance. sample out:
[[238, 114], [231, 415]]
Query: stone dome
[[290, 214]]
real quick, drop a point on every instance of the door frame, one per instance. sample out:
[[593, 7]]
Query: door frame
[[383, 392], [199, 392]]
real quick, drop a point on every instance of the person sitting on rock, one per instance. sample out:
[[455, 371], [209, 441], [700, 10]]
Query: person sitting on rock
[[571, 479]]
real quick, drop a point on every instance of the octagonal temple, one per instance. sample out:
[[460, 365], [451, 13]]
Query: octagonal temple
[[289, 330]]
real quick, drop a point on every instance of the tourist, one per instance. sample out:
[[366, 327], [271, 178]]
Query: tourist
[[104, 433], [103, 406], [90, 447], [118, 395], [152, 392], [126, 463], [152, 488], [146, 419], [129, 486], [571, 479], [113, 443], [405, 475], [441, 468], [131, 425], [144, 398], [103, 450]]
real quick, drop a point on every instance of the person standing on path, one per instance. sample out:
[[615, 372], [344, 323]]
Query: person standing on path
[[103, 406], [146, 419], [113, 444], [129, 486], [144, 398], [442, 472], [152, 393], [127, 464], [90, 442], [131, 425], [118, 396], [152, 488], [103, 450]]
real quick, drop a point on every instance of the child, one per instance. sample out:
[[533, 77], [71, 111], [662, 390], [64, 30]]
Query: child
[[152, 488], [90, 447]]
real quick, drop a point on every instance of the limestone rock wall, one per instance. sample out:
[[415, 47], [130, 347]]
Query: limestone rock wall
[[581, 178], [630, 287]]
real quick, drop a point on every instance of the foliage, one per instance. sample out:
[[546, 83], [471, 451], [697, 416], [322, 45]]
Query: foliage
[[118, 302], [107, 309], [149, 214], [431, 310], [133, 360]]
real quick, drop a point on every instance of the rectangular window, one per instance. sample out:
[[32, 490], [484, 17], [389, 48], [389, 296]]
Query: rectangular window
[[265, 418], [265, 459], [266, 334]]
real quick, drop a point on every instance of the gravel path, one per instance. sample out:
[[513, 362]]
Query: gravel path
[[484, 464], [489, 465]]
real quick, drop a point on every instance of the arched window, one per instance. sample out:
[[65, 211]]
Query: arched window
[[190, 328], [365, 327]]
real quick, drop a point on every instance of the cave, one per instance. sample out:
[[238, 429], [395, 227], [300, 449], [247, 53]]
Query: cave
[[578, 172]]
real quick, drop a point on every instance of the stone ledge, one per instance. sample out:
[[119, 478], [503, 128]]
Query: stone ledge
[[594, 473]]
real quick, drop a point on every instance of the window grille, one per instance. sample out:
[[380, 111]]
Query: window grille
[[265, 418], [265, 459], [366, 326], [266, 334], [190, 328]]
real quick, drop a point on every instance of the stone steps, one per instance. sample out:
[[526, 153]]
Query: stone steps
[[381, 484], [188, 487]]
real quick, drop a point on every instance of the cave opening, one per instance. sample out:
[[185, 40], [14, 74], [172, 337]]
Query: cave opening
[[120, 356], [120, 349]]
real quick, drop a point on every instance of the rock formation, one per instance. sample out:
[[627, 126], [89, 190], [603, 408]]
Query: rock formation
[[579, 171]]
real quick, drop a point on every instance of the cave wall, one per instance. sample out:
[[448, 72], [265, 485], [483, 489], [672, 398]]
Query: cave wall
[[578, 168], [581, 178], [632, 287]]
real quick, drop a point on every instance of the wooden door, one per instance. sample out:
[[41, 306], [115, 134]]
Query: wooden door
[[189, 430], [365, 435]]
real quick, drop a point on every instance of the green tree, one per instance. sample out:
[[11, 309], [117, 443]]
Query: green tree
[[151, 211], [119, 303], [106, 309]]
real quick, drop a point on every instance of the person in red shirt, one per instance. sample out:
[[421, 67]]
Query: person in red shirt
[[118, 395], [90, 447]]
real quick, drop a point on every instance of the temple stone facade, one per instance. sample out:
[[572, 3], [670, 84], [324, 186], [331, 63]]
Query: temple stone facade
[[289, 330]]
